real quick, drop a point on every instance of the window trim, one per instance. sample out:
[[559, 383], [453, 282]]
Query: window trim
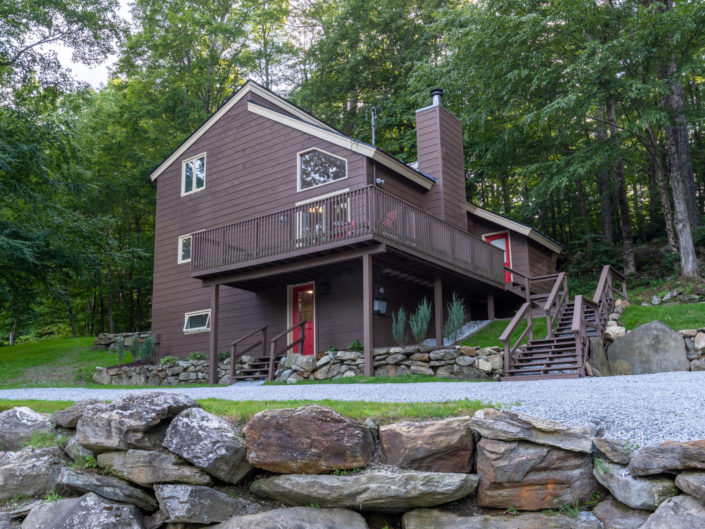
[[183, 175], [197, 330], [179, 260], [298, 169]]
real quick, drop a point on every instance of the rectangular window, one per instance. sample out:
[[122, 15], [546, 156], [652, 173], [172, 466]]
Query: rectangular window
[[199, 321], [194, 175], [184, 249], [317, 168]]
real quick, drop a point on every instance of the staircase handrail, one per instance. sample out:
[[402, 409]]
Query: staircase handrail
[[580, 326], [233, 347], [273, 346], [509, 349], [606, 283], [555, 303]]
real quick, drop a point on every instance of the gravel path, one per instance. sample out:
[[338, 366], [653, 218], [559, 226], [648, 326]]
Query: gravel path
[[643, 409]]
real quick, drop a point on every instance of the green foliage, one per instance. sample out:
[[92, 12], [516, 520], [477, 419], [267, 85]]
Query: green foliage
[[683, 316], [223, 356], [357, 346], [489, 335], [420, 319], [333, 348], [84, 462], [46, 439], [120, 349], [456, 318], [51, 497], [196, 356], [168, 361], [399, 327]]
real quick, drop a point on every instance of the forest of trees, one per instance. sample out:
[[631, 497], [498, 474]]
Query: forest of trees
[[583, 118]]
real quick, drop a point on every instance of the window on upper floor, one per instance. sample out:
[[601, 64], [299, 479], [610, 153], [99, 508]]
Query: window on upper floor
[[193, 176], [317, 168], [198, 321], [184, 249]]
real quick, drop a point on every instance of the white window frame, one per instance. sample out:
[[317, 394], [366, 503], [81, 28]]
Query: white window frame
[[182, 238], [183, 175], [197, 330], [298, 169]]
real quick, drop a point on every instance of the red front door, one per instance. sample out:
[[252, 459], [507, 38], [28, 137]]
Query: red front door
[[501, 241], [303, 300]]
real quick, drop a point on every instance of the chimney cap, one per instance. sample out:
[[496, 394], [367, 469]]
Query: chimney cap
[[437, 94]]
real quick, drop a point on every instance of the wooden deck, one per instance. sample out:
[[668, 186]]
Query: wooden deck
[[353, 219]]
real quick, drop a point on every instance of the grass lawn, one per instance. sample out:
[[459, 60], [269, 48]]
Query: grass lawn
[[489, 336], [241, 411], [685, 316]]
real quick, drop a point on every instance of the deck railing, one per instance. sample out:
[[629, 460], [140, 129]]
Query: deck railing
[[353, 216]]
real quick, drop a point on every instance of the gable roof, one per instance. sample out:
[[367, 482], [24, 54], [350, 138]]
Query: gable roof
[[528, 231], [298, 119]]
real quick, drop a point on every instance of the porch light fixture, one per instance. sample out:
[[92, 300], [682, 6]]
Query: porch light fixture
[[380, 302]]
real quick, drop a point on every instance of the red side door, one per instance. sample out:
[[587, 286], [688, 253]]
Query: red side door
[[501, 241], [303, 299]]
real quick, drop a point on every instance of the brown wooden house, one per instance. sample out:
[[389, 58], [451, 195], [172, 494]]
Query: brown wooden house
[[267, 216]]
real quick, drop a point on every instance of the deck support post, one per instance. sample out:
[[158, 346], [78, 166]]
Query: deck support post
[[213, 351], [438, 309], [490, 306], [367, 314]]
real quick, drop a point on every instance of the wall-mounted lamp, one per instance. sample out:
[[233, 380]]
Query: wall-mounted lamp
[[379, 181], [380, 302]]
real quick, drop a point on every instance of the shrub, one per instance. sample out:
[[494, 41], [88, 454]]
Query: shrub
[[196, 356], [223, 356], [456, 318], [357, 346], [146, 351], [120, 349], [399, 326], [168, 361], [420, 319]]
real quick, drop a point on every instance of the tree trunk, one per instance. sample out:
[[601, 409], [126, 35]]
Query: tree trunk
[[654, 150], [138, 323], [13, 332], [111, 325], [622, 202], [603, 184], [72, 320]]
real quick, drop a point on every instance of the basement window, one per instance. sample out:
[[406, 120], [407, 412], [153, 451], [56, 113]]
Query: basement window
[[193, 176], [317, 168], [198, 321]]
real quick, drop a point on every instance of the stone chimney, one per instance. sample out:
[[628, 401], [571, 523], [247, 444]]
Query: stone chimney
[[439, 141]]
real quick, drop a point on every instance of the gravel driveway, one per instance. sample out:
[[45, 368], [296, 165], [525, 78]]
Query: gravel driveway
[[642, 409]]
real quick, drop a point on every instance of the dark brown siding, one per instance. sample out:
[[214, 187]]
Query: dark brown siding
[[250, 170], [439, 138], [542, 260], [518, 243], [398, 185]]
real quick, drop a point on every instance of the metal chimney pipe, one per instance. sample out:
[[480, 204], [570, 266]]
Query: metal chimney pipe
[[437, 94]]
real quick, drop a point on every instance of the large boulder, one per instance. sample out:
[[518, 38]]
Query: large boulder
[[374, 491], [311, 439], [75, 451], [133, 421], [109, 487], [679, 512], [147, 467], [505, 425], [18, 425], [668, 457], [651, 348], [194, 504], [531, 477], [30, 472], [635, 492], [615, 515], [692, 482], [68, 417], [210, 443], [87, 512], [438, 446], [434, 519], [295, 518]]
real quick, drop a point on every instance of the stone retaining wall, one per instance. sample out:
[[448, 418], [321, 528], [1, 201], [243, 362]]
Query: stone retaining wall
[[163, 461], [108, 341], [459, 362], [180, 373]]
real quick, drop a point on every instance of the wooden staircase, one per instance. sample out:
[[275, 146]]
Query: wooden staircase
[[263, 365], [570, 325]]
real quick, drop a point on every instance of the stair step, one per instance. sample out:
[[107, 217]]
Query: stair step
[[528, 378], [542, 369]]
